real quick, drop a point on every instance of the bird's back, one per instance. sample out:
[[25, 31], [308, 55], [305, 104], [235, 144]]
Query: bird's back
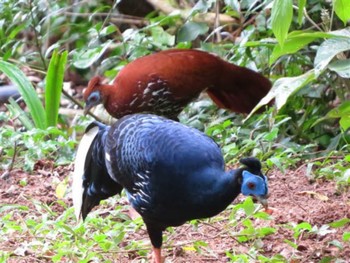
[[168, 169]]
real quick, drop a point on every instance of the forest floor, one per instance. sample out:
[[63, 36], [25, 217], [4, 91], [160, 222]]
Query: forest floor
[[294, 199]]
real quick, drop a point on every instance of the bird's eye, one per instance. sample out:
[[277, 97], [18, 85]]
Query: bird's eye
[[93, 98], [251, 186]]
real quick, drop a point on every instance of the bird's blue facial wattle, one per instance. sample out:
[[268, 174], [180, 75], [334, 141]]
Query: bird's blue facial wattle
[[254, 185], [93, 100]]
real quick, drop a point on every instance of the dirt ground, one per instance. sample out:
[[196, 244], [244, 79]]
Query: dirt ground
[[294, 199]]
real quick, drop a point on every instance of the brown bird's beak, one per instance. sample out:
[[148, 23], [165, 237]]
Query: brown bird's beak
[[87, 108]]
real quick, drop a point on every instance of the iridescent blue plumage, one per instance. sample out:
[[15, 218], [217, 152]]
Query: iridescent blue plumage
[[171, 173]]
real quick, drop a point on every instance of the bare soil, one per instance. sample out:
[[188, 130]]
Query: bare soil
[[294, 199]]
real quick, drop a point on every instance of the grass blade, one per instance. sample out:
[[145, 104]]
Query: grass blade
[[54, 83], [16, 110], [27, 91]]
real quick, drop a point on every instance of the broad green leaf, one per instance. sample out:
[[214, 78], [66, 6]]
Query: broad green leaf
[[191, 30], [295, 41], [341, 67], [299, 228], [248, 206], [281, 19], [84, 58], [342, 112], [162, 37], [345, 122], [27, 91], [327, 50], [346, 236], [283, 88], [340, 223], [301, 6], [54, 83], [108, 30], [271, 136], [342, 9]]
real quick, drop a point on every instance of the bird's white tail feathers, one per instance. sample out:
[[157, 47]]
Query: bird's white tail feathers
[[79, 165]]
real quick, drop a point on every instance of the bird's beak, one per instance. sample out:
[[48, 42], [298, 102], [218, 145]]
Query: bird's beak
[[263, 200], [87, 108]]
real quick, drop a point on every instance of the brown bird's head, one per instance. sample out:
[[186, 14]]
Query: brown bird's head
[[93, 95]]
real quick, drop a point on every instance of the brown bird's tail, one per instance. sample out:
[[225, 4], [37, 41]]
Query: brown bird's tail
[[239, 89]]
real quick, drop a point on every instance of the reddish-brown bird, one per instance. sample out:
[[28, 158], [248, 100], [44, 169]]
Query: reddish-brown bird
[[165, 82]]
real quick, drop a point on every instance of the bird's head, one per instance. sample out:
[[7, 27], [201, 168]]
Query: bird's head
[[254, 183], [93, 94]]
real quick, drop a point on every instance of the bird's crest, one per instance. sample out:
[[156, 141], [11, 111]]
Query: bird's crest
[[95, 81], [79, 168]]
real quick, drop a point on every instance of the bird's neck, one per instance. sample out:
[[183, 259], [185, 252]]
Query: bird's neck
[[219, 195], [111, 97], [107, 90], [231, 185]]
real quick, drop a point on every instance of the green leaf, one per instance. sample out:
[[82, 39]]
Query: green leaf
[[292, 244], [342, 112], [326, 260], [342, 9], [301, 228], [345, 122], [248, 206], [27, 91], [84, 58], [295, 41], [341, 67], [17, 111], [346, 236], [191, 30], [201, 6], [340, 223], [301, 6], [16, 207], [54, 83], [161, 37], [327, 50], [282, 89], [108, 30], [271, 136], [281, 19]]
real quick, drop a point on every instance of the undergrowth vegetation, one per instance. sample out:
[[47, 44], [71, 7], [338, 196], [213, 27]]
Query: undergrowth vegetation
[[302, 46]]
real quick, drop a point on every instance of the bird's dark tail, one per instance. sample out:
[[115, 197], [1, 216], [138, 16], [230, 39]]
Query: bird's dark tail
[[91, 182], [239, 89]]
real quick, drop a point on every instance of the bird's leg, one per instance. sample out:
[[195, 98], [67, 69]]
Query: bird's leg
[[157, 255], [155, 234]]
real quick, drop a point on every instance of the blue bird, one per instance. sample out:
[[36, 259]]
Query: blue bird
[[171, 173]]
